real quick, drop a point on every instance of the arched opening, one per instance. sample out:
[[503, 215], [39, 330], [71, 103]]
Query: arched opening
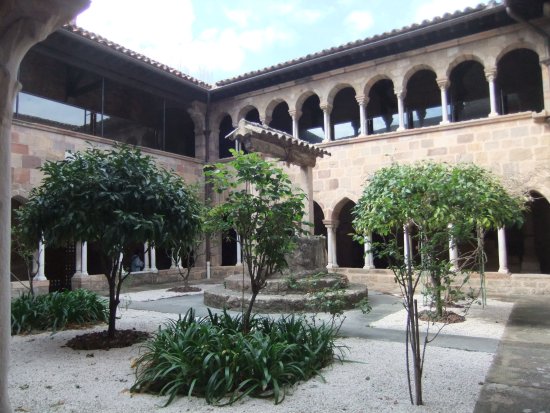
[[229, 248], [423, 100], [382, 109], [281, 119], [20, 266], [345, 114], [469, 92], [318, 217], [226, 127], [163, 258], [519, 82], [311, 123], [349, 253], [253, 115]]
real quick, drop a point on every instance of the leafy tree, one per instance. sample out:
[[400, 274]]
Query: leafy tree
[[115, 199], [420, 208], [264, 211]]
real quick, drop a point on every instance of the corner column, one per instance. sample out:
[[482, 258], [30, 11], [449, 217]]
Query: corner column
[[331, 241], [40, 274], [327, 109], [490, 75], [443, 85]]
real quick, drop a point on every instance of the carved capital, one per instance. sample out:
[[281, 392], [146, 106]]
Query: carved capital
[[326, 107], [295, 113], [399, 93], [362, 100], [491, 74], [442, 82]]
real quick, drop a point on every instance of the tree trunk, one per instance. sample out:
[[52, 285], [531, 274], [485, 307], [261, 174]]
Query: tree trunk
[[248, 314], [112, 309]]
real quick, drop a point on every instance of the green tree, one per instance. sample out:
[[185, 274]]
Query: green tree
[[114, 199], [420, 208], [264, 211]]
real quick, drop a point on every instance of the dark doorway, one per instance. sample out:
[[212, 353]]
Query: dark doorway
[[349, 253]]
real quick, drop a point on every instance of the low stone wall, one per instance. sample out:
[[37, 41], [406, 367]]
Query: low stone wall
[[497, 283], [21, 287]]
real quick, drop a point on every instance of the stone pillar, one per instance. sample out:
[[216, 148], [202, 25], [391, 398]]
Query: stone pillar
[[22, 25], [146, 266], [239, 251], [363, 102], [84, 255], [443, 85], [295, 115], [40, 274], [78, 258], [453, 252], [490, 75], [331, 243], [545, 72], [153, 260], [401, 109], [502, 252], [369, 259], [407, 244], [306, 182], [327, 109]]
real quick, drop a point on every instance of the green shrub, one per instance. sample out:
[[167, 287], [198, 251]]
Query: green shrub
[[56, 310], [210, 357]]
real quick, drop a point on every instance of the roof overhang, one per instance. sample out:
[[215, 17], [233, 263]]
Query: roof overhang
[[274, 143]]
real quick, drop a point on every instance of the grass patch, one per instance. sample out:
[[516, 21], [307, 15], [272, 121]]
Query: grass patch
[[56, 311], [210, 357]]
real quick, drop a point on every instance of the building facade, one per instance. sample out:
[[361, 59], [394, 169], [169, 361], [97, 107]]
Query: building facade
[[473, 86]]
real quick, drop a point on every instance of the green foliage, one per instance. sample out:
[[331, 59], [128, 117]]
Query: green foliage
[[56, 310], [364, 305], [114, 199], [211, 357], [263, 209]]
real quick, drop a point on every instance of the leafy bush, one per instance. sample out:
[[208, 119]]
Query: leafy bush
[[56, 310], [211, 357]]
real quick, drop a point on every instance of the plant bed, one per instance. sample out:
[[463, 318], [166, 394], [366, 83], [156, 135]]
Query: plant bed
[[100, 341], [211, 357], [448, 317]]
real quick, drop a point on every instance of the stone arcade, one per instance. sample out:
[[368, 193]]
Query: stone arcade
[[473, 86]]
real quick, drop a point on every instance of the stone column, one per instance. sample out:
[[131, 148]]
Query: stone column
[[327, 109], [306, 182], [502, 252], [545, 72], [490, 74], [153, 260], [84, 255], [369, 259], [331, 243], [363, 102], [78, 258], [407, 244], [146, 266], [22, 25], [401, 109], [239, 251], [443, 85], [453, 251], [295, 115], [40, 275]]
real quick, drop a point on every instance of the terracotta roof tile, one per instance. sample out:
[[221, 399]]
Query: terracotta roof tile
[[119, 48]]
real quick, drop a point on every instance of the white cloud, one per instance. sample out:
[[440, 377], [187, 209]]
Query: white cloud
[[360, 21], [309, 16], [240, 17], [434, 8]]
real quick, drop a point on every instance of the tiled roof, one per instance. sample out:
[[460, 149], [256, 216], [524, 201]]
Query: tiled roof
[[139, 57], [366, 41]]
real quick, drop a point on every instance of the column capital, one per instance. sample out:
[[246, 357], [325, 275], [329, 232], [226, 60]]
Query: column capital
[[442, 82], [490, 74], [295, 113], [362, 99], [266, 120], [545, 62], [326, 107], [331, 223], [400, 93]]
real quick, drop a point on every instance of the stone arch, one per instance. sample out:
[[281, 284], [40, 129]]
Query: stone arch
[[268, 112], [349, 253], [336, 207], [382, 106], [318, 218], [422, 103], [461, 59], [311, 122], [412, 71], [373, 80], [278, 116], [519, 44], [337, 88], [246, 110], [468, 90], [299, 102]]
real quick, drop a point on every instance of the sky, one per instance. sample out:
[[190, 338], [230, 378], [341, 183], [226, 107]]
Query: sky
[[214, 40]]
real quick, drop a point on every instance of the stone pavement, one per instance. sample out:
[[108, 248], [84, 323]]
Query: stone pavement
[[519, 378]]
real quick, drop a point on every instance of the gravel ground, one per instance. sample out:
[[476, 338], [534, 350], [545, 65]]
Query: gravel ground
[[45, 377]]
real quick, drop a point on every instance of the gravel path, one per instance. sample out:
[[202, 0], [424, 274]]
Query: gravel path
[[45, 377]]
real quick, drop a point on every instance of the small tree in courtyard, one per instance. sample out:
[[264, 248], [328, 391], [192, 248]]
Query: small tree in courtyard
[[420, 208], [114, 199], [264, 211]]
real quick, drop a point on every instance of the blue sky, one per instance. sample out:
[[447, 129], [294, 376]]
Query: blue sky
[[214, 39]]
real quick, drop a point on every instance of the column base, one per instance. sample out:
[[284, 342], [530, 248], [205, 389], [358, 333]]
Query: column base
[[504, 271], [493, 114], [400, 129], [445, 122], [331, 266], [39, 278]]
